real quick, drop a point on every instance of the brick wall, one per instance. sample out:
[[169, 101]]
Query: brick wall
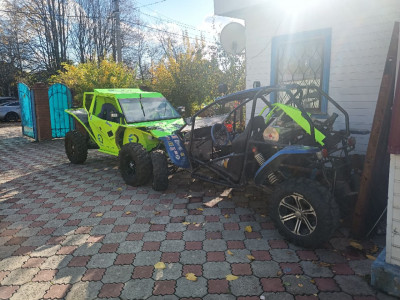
[[43, 123]]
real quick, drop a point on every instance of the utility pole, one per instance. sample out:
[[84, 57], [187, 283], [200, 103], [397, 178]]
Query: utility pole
[[117, 30]]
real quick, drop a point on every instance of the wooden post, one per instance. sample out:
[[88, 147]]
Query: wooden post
[[377, 145], [42, 108]]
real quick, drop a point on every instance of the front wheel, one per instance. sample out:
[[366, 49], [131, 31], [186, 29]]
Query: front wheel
[[134, 164], [76, 147], [304, 212], [11, 117], [160, 170]]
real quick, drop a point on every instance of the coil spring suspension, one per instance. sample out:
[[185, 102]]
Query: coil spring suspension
[[272, 178]]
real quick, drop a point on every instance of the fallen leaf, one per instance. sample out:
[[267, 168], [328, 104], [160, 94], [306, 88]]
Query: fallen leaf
[[263, 216], [227, 216], [356, 245], [324, 264], [191, 277], [99, 215], [279, 273], [374, 249], [156, 213], [128, 213], [231, 277], [248, 228], [200, 209], [197, 225], [229, 252], [371, 257], [312, 281], [185, 223], [213, 202], [160, 265], [226, 192], [300, 285], [119, 189], [297, 276], [250, 257], [286, 284]]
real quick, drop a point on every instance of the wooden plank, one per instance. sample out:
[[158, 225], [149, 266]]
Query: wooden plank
[[378, 139]]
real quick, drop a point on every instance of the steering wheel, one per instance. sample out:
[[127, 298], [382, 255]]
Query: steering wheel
[[220, 134]]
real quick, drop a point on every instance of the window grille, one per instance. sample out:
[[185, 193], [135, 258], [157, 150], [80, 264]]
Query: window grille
[[302, 59]]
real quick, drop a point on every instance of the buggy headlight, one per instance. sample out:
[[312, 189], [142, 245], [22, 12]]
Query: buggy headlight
[[319, 155]]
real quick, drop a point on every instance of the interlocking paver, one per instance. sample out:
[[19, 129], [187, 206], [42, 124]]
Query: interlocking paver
[[245, 285], [215, 270], [138, 289], [78, 232], [193, 257], [69, 275], [84, 290], [116, 274], [20, 276], [172, 271], [31, 291], [314, 269], [57, 291], [186, 288]]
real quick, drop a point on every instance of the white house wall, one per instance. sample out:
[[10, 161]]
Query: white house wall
[[361, 33]]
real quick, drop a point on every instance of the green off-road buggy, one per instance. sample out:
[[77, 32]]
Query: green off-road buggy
[[129, 123]]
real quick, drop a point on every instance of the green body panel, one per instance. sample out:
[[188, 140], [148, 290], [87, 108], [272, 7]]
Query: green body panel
[[135, 135], [295, 115], [110, 136], [126, 93]]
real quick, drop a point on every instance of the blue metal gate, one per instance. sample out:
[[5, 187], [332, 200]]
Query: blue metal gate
[[60, 98], [28, 117]]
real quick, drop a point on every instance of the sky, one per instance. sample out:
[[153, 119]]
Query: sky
[[194, 16]]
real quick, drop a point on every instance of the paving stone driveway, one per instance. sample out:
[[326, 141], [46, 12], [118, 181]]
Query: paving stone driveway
[[78, 232]]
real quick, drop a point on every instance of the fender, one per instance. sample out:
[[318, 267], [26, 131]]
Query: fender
[[176, 151], [274, 161], [81, 115]]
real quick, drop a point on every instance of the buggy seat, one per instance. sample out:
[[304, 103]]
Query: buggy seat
[[106, 113]]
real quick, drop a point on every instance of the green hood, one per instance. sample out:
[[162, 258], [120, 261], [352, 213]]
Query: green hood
[[160, 128]]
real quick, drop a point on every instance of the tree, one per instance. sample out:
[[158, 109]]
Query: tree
[[88, 76], [187, 78]]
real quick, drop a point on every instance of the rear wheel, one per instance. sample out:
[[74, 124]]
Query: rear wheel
[[11, 117], [304, 212], [76, 147], [160, 170], [134, 164]]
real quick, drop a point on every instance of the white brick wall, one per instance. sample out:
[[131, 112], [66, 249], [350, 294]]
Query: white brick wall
[[393, 213], [361, 32]]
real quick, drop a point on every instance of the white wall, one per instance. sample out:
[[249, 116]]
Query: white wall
[[361, 33], [393, 213]]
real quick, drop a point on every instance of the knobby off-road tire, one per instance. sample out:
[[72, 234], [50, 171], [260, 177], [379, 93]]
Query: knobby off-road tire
[[304, 212], [76, 147], [160, 170], [134, 164]]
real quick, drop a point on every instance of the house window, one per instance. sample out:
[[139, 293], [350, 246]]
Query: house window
[[303, 58]]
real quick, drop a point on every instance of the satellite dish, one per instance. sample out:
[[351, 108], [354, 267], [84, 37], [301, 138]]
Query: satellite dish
[[233, 38]]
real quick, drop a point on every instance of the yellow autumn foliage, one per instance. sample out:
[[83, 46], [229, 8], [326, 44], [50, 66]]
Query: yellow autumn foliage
[[92, 75]]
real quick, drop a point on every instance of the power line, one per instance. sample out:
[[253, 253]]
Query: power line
[[166, 31], [104, 18], [180, 24], [146, 5]]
